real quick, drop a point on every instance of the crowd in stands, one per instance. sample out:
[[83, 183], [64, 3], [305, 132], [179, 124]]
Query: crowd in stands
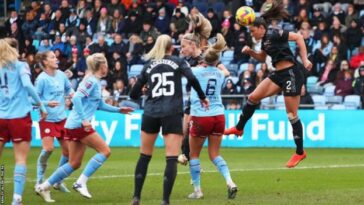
[[124, 30]]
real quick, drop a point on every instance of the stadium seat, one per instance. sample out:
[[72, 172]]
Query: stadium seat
[[280, 102], [319, 102], [311, 81], [227, 55], [243, 67], [338, 107], [258, 67], [135, 70], [352, 102], [265, 103], [336, 99], [316, 89], [329, 90]]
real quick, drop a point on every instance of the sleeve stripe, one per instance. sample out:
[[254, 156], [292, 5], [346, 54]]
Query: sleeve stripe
[[84, 92]]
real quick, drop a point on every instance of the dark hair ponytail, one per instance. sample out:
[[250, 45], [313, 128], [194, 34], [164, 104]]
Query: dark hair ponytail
[[276, 11]]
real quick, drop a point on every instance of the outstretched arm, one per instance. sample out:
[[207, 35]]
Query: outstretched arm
[[302, 46]]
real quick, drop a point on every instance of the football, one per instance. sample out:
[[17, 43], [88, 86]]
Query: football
[[245, 16]]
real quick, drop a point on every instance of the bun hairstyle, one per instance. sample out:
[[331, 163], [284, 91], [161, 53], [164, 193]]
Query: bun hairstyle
[[201, 27], [41, 57], [212, 54], [94, 62], [8, 54], [275, 12]]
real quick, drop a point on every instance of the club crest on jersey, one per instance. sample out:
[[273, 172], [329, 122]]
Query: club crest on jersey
[[88, 85], [47, 130]]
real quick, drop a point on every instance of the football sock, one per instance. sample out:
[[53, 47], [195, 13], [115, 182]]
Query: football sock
[[60, 174], [297, 134], [19, 181], [62, 161], [42, 165], [186, 146], [170, 174], [140, 173], [248, 111], [195, 171], [93, 164], [223, 169]]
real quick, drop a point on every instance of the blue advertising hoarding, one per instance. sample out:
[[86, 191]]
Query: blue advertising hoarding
[[267, 128]]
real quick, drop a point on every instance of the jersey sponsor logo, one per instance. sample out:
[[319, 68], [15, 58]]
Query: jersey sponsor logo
[[88, 84], [47, 130]]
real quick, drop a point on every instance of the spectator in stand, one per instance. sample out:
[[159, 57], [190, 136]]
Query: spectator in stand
[[44, 46], [16, 33], [118, 49], [58, 45], [302, 4], [338, 12], [62, 32], [149, 13], [335, 56], [180, 22], [353, 37], [338, 42], [35, 7], [104, 22], [359, 85], [81, 67], [14, 18], [317, 17], [149, 44], [149, 30], [328, 73], [97, 8], [104, 92], [132, 24], [229, 89], [182, 7], [56, 21], [81, 34], [320, 31], [72, 22], [116, 5], [337, 27], [262, 73], [135, 50], [309, 42], [81, 9], [306, 99], [119, 72], [344, 86], [161, 4], [351, 14], [162, 22], [100, 47], [357, 59], [266, 6], [228, 17], [65, 9], [35, 70], [247, 86], [214, 20], [289, 6], [321, 51], [90, 22], [30, 25], [117, 23], [241, 38], [344, 66], [227, 33], [28, 48], [119, 90], [302, 17], [249, 73]]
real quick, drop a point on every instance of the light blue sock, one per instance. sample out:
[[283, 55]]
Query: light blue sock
[[60, 174], [195, 171], [62, 161], [223, 168], [95, 162], [20, 172], [42, 165]]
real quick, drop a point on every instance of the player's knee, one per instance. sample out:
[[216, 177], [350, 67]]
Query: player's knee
[[292, 115], [253, 98], [65, 153], [75, 164], [213, 155], [106, 152], [49, 148]]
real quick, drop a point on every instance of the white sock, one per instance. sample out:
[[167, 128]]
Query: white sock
[[197, 189], [82, 179], [45, 185], [17, 198], [230, 183]]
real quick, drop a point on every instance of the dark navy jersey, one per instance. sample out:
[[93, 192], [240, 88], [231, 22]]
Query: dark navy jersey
[[194, 61], [275, 44], [163, 78]]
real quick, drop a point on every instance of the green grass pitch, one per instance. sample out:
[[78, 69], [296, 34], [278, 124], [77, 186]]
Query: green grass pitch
[[326, 176]]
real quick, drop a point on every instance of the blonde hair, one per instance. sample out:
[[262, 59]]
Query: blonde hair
[[94, 61], [160, 48], [212, 54], [135, 38], [8, 54], [192, 37]]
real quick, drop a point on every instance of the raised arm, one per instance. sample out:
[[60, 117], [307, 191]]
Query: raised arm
[[260, 56], [302, 46]]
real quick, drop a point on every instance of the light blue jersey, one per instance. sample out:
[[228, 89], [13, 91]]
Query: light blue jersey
[[211, 80], [15, 89], [86, 101], [54, 88]]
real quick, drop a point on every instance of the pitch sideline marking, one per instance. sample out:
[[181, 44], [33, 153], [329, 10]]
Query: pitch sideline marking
[[215, 171]]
